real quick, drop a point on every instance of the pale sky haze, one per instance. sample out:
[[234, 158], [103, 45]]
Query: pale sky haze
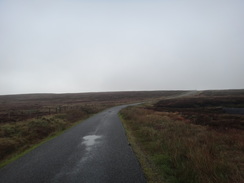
[[66, 46]]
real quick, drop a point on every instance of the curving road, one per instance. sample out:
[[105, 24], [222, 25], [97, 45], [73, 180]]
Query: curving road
[[96, 150]]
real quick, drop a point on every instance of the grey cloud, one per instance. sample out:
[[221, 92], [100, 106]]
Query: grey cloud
[[76, 46]]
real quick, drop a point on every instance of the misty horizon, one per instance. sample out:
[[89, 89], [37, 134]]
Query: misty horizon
[[103, 46]]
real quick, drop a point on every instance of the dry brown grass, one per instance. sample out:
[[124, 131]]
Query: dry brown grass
[[220, 113], [18, 137], [15, 108], [181, 152], [26, 120]]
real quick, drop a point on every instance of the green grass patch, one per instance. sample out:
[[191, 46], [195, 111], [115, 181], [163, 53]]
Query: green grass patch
[[176, 151], [17, 139], [27, 148]]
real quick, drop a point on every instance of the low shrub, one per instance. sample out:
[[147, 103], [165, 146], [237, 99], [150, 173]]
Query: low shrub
[[19, 136], [181, 152]]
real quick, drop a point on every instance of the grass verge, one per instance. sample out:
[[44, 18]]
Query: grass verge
[[16, 139], [175, 151]]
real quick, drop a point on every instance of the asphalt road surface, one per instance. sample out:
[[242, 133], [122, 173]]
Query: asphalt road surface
[[96, 150]]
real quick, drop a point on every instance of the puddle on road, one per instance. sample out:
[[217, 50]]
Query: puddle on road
[[73, 170], [90, 140]]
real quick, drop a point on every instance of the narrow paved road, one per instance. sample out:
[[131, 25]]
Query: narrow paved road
[[96, 150]]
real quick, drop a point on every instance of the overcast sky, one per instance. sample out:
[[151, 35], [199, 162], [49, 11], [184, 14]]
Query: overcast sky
[[59, 46]]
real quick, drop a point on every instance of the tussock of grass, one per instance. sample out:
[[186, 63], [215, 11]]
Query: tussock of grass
[[180, 152], [16, 138]]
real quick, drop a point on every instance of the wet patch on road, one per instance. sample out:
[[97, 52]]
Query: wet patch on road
[[73, 168], [90, 140]]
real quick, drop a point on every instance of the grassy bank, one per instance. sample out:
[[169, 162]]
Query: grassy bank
[[171, 149], [16, 138]]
